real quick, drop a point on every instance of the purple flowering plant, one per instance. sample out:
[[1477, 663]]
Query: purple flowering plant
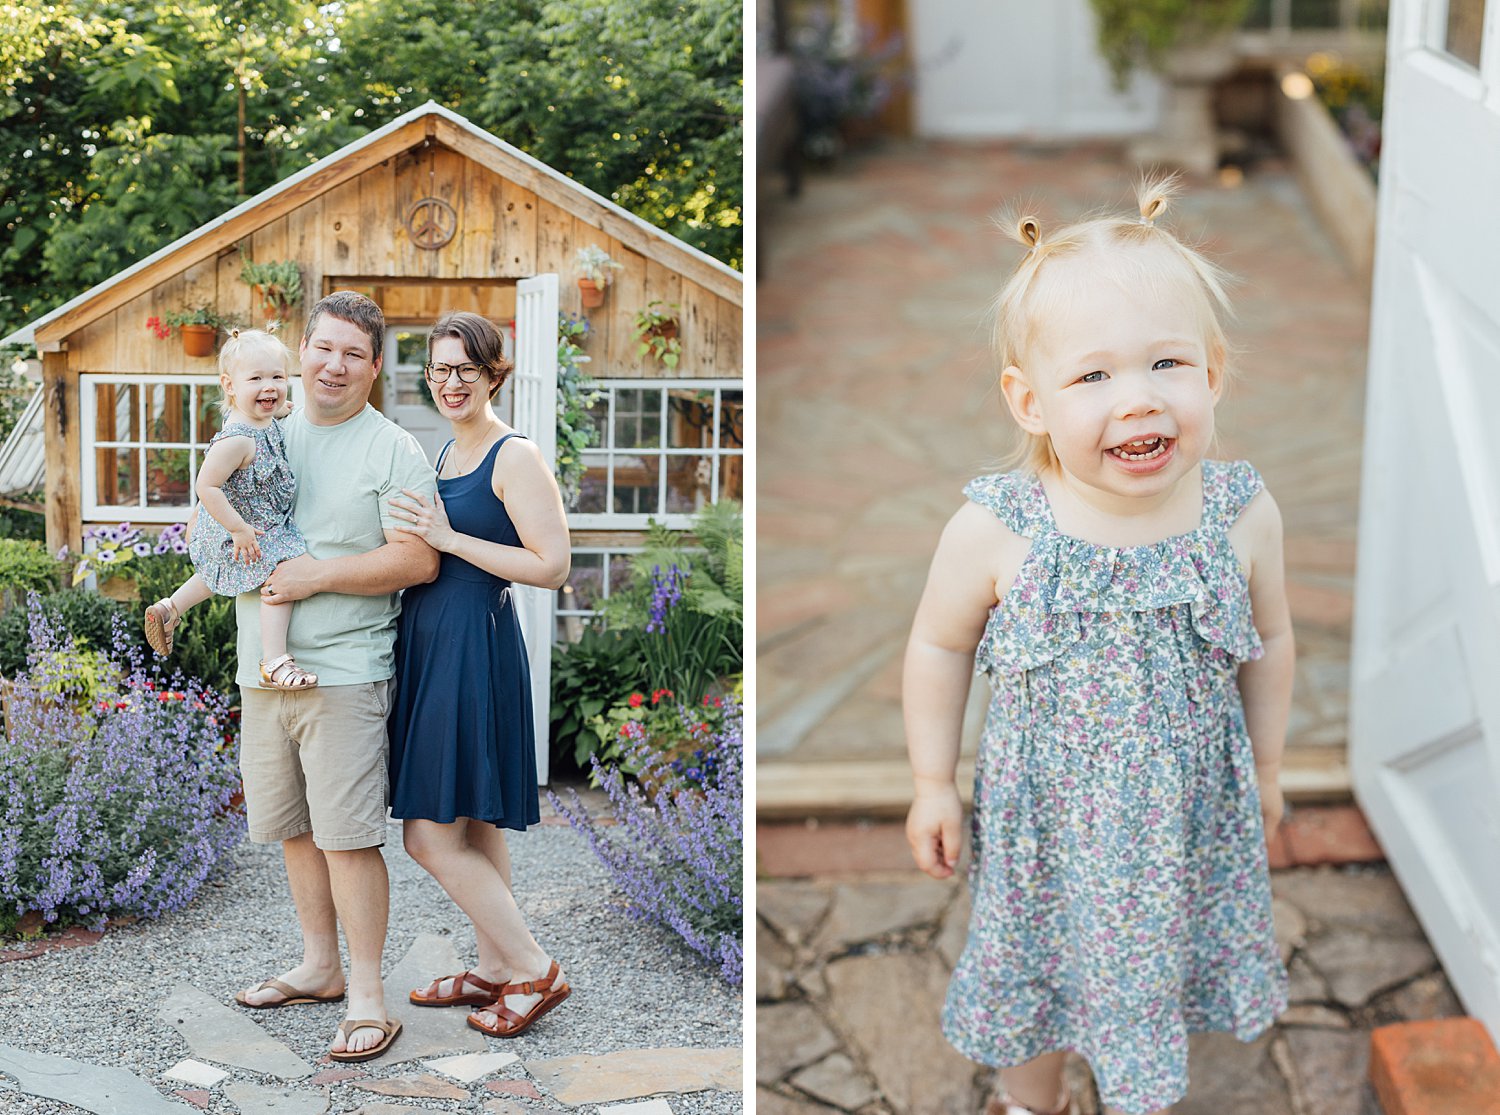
[[114, 547], [677, 852], [117, 805]]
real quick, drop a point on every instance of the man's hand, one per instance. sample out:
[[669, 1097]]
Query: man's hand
[[934, 830], [294, 579]]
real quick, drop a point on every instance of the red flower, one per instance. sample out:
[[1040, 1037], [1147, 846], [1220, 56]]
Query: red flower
[[637, 700], [659, 694]]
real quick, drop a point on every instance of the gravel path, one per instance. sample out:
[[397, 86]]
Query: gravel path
[[636, 985]]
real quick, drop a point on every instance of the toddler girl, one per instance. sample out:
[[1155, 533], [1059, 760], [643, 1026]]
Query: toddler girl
[[1124, 595], [246, 487]]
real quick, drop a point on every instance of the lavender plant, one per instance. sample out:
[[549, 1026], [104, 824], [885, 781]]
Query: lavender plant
[[677, 852], [116, 806]]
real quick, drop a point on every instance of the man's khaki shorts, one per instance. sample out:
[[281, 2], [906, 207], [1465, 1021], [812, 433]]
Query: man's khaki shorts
[[314, 761]]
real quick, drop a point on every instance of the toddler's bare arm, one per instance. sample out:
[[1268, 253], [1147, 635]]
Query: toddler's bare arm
[[1266, 683]]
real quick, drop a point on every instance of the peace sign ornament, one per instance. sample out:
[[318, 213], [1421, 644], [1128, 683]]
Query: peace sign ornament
[[431, 223]]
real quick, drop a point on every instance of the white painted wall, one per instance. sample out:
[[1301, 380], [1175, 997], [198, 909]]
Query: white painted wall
[[1019, 69]]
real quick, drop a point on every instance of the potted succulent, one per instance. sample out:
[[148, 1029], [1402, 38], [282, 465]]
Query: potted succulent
[[656, 329], [277, 284], [596, 266], [199, 326], [1190, 44]]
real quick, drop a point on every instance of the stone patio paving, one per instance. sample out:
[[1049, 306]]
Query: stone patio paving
[[140, 1020], [851, 972], [877, 400]]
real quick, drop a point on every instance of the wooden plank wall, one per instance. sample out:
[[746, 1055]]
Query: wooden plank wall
[[354, 235]]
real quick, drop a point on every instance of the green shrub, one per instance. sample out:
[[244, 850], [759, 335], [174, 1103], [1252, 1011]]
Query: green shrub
[[86, 617], [687, 602], [25, 566], [204, 644], [588, 677]]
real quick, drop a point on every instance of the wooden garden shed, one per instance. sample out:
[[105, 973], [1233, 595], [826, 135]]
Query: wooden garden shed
[[426, 214]]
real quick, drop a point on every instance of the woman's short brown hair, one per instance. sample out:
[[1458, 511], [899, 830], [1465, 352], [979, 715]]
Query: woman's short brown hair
[[481, 341]]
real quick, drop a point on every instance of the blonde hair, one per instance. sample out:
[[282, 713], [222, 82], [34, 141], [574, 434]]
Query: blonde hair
[[1134, 249], [243, 342]]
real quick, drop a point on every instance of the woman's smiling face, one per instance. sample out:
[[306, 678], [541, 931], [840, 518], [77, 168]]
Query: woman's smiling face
[[1121, 380], [457, 400]]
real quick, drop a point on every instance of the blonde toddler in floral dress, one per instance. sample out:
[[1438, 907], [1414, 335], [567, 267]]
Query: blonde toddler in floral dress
[[246, 487], [1125, 598]]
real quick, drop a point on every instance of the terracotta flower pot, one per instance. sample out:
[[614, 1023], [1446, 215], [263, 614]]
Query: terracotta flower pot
[[593, 295], [666, 330], [198, 340], [272, 306]]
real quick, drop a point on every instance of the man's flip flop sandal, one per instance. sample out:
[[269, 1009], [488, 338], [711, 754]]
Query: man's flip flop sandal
[[291, 996], [390, 1028]]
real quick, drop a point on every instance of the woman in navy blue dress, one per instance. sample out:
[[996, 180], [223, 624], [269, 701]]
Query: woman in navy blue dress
[[463, 764]]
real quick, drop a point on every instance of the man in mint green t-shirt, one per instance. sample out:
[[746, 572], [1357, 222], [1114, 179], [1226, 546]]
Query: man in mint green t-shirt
[[314, 760]]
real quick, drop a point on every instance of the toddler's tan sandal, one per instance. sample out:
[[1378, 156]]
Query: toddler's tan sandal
[[161, 619], [284, 673], [508, 1023], [430, 997], [391, 1028], [290, 996]]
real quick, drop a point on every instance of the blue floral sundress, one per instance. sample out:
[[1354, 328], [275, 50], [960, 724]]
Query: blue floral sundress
[[1121, 897]]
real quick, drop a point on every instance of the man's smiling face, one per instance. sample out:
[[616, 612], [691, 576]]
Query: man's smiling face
[[338, 370]]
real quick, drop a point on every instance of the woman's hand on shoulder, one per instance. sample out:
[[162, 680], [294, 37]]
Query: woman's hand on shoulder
[[428, 520]]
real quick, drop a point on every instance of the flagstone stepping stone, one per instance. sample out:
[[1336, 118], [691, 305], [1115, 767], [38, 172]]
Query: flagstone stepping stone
[[1331, 1069], [837, 1080], [648, 1107], [871, 910], [1358, 967], [913, 1065], [633, 1073], [1229, 1077], [469, 1067], [505, 1107], [195, 1072], [219, 1033], [426, 1086], [791, 1036], [104, 1090], [427, 1031], [793, 909], [395, 1109], [265, 1099]]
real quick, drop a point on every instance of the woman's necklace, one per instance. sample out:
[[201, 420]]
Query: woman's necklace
[[469, 458]]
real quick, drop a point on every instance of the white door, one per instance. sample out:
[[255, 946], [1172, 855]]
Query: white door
[[1425, 686], [534, 413], [1016, 68], [405, 401]]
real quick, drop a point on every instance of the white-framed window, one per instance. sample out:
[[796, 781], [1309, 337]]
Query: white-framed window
[[667, 448], [143, 438], [597, 572]]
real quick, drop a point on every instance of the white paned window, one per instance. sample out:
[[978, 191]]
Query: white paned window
[[596, 573], [666, 450], [143, 439]]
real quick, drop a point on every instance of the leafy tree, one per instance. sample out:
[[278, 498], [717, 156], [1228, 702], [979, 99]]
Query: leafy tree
[[124, 124]]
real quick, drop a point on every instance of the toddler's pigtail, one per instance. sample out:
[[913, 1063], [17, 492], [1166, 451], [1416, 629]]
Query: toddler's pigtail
[[1154, 193]]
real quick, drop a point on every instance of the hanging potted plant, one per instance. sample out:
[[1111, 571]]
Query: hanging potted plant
[[276, 284], [596, 266], [656, 329], [198, 325]]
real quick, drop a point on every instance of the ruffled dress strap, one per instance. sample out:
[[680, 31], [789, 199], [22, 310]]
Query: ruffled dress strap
[[238, 429], [1016, 498], [1228, 488]]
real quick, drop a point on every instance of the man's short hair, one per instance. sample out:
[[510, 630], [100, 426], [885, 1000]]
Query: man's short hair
[[355, 308]]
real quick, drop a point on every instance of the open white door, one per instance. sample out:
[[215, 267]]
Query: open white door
[[534, 413], [1425, 686]]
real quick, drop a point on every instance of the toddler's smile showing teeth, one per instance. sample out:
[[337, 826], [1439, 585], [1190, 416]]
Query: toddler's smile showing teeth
[[1142, 450]]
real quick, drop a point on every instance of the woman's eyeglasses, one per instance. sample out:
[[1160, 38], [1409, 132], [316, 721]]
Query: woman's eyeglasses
[[439, 373]]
